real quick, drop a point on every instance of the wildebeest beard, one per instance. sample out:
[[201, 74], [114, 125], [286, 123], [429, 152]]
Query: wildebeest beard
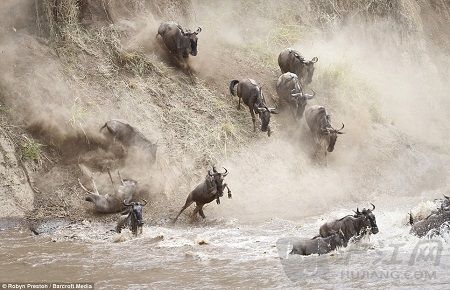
[[193, 47]]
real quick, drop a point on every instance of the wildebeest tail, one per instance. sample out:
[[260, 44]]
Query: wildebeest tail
[[233, 83]]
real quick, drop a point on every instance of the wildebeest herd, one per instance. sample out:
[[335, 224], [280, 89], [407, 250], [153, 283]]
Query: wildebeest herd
[[297, 73]]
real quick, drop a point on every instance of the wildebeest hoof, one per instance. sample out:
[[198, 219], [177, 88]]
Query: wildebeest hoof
[[218, 201], [229, 195]]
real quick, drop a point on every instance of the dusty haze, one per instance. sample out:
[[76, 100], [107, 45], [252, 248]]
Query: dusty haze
[[384, 77]]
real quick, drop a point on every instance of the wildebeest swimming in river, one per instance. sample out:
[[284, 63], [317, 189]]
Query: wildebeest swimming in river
[[352, 226], [325, 136], [111, 203], [292, 61], [319, 245], [132, 217], [179, 41], [207, 191], [130, 136], [433, 222], [251, 94], [291, 93]]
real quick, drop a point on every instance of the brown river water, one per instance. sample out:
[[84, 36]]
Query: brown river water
[[228, 254]]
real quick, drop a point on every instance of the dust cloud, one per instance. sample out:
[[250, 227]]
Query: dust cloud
[[385, 83]]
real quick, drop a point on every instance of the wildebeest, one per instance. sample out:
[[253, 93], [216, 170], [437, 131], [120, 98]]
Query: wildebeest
[[177, 40], [291, 93], [132, 218], [251, 94], [319, 122], [292, 61], [434, 221], [319, 245], [130, 136], [351, 226], [111, 203], [212, 188]]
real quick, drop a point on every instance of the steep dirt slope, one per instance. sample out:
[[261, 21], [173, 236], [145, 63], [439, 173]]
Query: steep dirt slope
[[69, 66]]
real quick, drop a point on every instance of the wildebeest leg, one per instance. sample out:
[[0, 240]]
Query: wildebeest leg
[[112, 182], [197, 208], [186, 205], [200, 211], [239, 103], [120, 177], [229, 191], [253, 119], [95, 187], [122, 222], [134, 228]]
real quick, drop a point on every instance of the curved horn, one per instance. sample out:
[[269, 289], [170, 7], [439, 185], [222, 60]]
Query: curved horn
[[214, 169], [342, 127], [357, 211], [145, 202], [181, 29], [125, 203], [373, 206], [314, 59], [225, 173], [446, 196], [310, 96], [199, 29]]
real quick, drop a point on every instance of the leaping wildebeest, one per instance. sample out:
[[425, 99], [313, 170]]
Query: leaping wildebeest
[[319, 245], [325, 136], [251, 94], [130, 136], [178, 41], [132, 217], [291, 93], [207, 191], [352, 225], [111, 203], [292, 61]]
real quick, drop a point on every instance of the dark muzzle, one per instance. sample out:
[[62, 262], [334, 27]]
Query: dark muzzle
[[374, 230], [137, 213]]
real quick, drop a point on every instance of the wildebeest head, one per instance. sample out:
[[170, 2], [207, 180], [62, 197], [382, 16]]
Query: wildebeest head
[[309, 69], [369, 220], [193, 39], [218, 177], [136, 210], [301, 100], [306, 68], [264, 114], [331, 134]]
